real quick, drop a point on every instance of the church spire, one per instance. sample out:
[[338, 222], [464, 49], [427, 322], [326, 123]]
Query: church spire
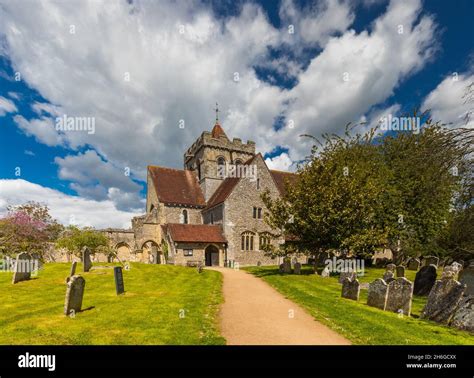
[[217, 130]]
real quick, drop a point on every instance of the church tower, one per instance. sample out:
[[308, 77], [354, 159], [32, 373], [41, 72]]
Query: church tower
[[214, 149]]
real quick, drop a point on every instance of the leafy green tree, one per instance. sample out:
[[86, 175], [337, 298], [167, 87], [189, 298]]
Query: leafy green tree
[[74, 239]]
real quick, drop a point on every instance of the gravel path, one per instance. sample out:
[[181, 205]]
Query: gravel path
[[256, 314]]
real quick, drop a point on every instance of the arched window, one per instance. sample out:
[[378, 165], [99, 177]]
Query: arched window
[[264, 240], [238, 162], [247, 241], [184, 217], [220, 160], [221, 167]]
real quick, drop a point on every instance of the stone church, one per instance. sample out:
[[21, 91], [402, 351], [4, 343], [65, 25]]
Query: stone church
[[210, 212]]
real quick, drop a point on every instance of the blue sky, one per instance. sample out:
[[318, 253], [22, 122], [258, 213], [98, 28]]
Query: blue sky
[[138, 68]]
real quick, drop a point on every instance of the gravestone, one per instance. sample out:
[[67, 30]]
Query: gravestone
[[391, 267], [321, 259], [443, 300], [86, 259], [388, 276], [326, 272], [377, 295], [74, 295], [287, 266], [347, 274], [72, 272], [413, 264], [399, 296], [424, 280], [280, 268], [119, 286], [431, 260], [451, 271], [466, 277], [350, 289], [297, 268], [464, 316], [400, 271], [22, 268]]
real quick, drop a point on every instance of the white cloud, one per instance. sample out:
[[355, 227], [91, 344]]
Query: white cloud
[[64, 208], [7, 106], [448, 102], [42, 129], [281, 162]]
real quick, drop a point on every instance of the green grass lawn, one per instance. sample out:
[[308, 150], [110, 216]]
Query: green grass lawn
[[359, 323], [31, 312]]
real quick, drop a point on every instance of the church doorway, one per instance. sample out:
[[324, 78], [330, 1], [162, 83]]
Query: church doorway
[[212, 256]]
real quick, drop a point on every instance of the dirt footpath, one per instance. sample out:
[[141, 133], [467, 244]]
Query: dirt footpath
[[256, 314]]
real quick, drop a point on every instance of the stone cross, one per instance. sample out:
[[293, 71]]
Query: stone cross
[[424, 280], [413, 264], [377, 295], [399, 296], [74, 295], [22, 268], [443, 300], [350, 289], [86, 259], [400, 271], [297, 268]]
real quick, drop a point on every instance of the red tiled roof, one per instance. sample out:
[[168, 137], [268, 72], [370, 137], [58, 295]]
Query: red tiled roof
[[282, 179], [222, 192], [178, 187], [217, 131], [197, 233]]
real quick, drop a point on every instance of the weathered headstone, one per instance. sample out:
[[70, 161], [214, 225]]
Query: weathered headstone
[[119, 286], [74, 295], [297, 268], [287, 266], [431, 260], [377, 294], [464, 316], [424, 280], [350, 289], [451, 271], [22, 268], [391, 267], [443, 300], [326, 272], [86, 259], [413, 264], [399, 296], [388, 276], [347, 274], [466, 277], [280, 268], [400, 271]]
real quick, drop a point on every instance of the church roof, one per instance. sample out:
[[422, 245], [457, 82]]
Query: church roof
[[217, 131], [282, 178], [197, 233], [176, 187]]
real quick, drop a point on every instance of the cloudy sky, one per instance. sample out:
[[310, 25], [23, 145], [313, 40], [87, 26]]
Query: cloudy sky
[[139, 69]]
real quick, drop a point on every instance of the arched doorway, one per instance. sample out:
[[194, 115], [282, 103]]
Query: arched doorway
[[212, 255], [151, 253], [123, 251]]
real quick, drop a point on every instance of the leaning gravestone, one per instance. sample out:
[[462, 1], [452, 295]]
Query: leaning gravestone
[[326, 272], [74, 295], [388, 276], [72, 271], [431, 260], [119, 286], [413, 264], [22, 268], [377, 295], [297, 268], [464, 316], [399, 296], [350, 289], [424, 280], [287, 266], [466, 276], [443, 300], [86, 259]]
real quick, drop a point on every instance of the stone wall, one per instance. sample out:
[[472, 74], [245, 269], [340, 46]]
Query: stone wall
[[216, 213]]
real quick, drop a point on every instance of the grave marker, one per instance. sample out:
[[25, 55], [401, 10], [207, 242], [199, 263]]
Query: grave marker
[[119, 285], [377, 295], [399, 296], [425, 279], [350, 289], [22, 268], [74, 295], [86, 259]]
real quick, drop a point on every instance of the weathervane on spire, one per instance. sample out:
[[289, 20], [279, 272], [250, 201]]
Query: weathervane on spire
[[217, 113]]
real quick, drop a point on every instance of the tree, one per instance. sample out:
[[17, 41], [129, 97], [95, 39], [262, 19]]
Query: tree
[[74, 239], [27, 228]]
